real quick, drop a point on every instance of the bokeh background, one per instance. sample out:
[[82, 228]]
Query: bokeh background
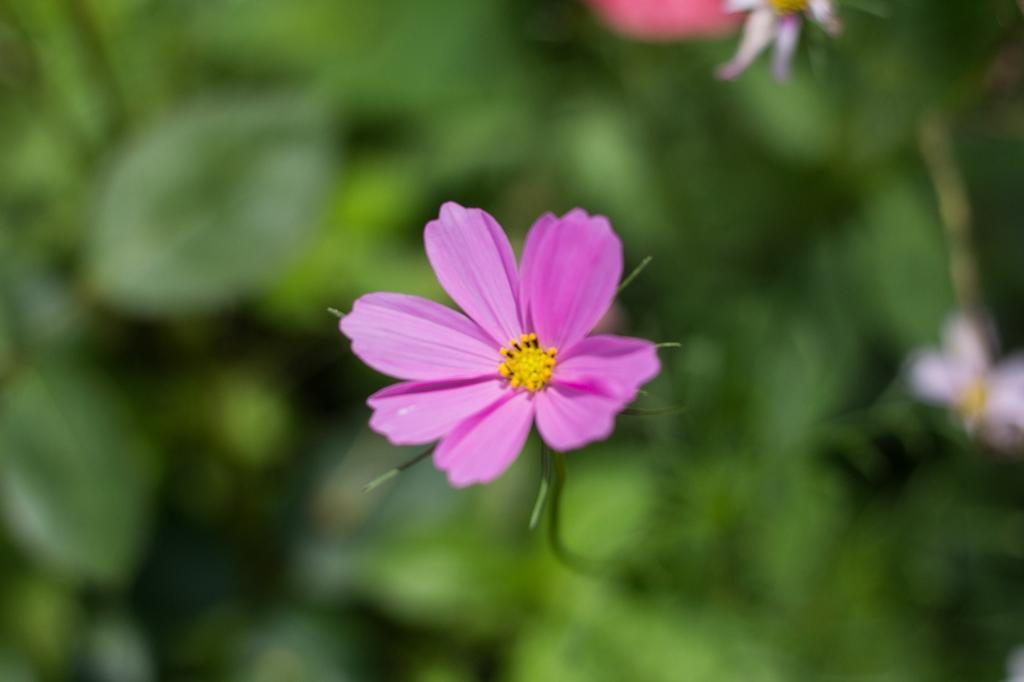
[[187, 185]]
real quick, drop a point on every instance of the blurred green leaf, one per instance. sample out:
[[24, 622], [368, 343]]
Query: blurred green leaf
[[210, 204], [75, 480], [291, 647], [797, 122], [14, 668], [41, 615], [606, 503], [607, 636], [792, 531], [250, 418], [116, 651], [358, 248], [36, 161], [446, 578], [604, 158], [799, 381], [427, 56], [901, 263], [6, 340], [36, 309]]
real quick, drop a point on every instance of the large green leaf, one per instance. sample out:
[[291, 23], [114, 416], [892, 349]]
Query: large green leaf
[[210, 204], [75, 482]]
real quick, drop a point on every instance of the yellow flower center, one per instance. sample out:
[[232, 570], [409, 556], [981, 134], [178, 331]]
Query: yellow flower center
[[788, 6], [973, 401], [526, 364]]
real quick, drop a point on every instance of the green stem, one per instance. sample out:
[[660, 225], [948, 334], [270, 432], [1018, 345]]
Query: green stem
[[954, 209], [558, 548], [633, 275], [391, 473], [654, 412], [542, 494]]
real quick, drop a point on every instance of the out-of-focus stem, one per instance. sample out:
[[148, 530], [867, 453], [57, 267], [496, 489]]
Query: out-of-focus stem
[[638, 269], [391, 473], [954, 210]]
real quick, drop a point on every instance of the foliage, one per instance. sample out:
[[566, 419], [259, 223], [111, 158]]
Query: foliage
[[186, 187]]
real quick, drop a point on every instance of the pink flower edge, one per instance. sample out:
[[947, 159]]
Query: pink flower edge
[[665, 20]]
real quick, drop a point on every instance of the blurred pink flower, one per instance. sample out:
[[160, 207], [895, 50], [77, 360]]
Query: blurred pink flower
[[777, 21], [521, 353], [665, 19], [986, 395]]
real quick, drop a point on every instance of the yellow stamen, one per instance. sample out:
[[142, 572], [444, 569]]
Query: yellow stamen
[[526, 363], [788, 6], [973, 401]]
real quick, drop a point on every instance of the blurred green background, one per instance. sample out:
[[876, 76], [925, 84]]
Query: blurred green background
[[187, 185]]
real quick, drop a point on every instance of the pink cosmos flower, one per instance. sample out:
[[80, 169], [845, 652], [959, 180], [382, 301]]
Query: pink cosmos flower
[[521, 353], [665, 19], [777, 21], [986, 395]]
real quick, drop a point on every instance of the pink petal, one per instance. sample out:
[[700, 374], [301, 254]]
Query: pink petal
[[824, 12], [758, 32], [474, 262], [571, 269], [1005, 437], [569, 417], [418, 412], [742, 5], [482, 447], [537, 235], [619, 364], [967, 343], [1006, 393], [785, 46], [665, 19], [1009, 370], [408, 337], [935, 379]]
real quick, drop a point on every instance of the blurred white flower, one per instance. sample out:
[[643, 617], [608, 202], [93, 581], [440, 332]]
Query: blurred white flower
[[777, 21], [1015, 665], [988, 396]]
